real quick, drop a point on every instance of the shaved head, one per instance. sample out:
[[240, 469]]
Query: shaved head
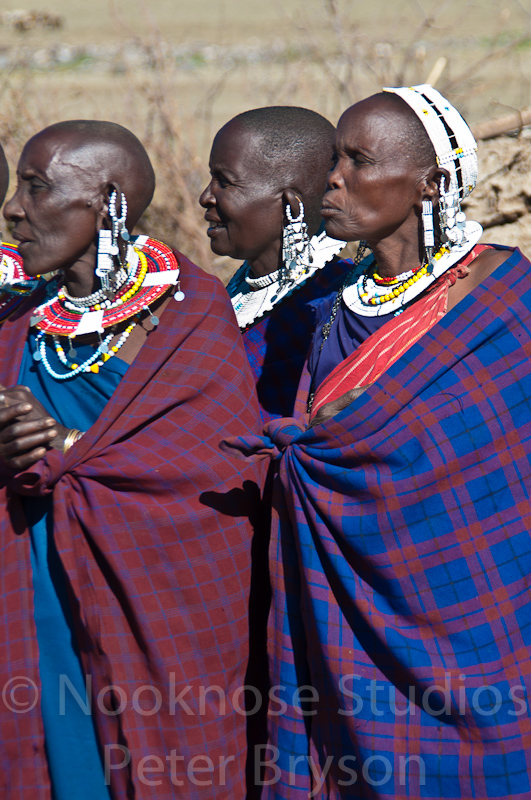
[[289, 134], [4, 175], [105, 153], [295, 146]]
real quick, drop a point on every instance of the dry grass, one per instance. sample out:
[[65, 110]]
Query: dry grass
[[174, 91]]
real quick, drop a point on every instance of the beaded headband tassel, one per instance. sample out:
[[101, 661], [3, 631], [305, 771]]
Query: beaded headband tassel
[[456, 151]]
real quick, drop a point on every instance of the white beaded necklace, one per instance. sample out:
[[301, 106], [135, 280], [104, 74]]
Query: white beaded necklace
[[263, 280], [354, 294], [270, 290]]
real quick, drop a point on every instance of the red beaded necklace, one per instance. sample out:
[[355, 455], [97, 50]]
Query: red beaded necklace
[[19, 285], [153, 268]]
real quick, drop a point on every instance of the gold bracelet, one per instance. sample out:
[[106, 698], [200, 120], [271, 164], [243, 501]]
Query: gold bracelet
[[71, 438]]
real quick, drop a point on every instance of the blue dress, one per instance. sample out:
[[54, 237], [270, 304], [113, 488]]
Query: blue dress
[[348, 331], [72, 748]]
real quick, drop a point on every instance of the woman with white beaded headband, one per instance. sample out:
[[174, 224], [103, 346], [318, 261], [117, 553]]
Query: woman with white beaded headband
[[401, 557], [120, 576]]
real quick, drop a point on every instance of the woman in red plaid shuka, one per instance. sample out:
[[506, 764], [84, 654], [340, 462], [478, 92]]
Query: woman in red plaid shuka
[[125, 534]]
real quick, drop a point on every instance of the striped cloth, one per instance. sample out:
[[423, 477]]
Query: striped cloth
[[401, 564], [152, 526]]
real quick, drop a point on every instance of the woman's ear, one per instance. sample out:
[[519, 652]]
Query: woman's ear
[[289, 197], [102, 201], [433, 183]]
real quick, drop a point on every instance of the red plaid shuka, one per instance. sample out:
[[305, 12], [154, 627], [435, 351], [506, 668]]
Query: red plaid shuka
[[151, 522]]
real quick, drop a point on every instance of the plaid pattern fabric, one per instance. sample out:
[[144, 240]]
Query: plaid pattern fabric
[[401, 567], [152, 526], [278, 344]]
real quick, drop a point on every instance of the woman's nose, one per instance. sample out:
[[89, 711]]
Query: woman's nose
[[207, 198], [13, 209], [335, 178]]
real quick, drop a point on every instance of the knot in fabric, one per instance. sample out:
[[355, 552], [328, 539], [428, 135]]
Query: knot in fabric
[[278, 434], [283, 432]]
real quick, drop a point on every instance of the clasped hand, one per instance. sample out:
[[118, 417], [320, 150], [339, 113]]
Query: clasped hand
[[27, 431]]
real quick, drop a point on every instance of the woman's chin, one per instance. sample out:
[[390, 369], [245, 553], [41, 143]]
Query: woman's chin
[[222, 248], [218, 241], [334, 229], [218, 249]]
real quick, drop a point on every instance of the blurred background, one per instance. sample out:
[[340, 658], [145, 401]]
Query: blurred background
[[175, 71]]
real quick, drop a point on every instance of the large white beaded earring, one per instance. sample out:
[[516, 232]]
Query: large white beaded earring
[[453, 220], [118, 222], [427, 224], [296, 251], [105, 263], [108, 248]]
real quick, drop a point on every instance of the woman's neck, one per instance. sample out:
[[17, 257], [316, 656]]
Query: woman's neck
[[80, 279], [395, 257], [271, 259], [266, 262]]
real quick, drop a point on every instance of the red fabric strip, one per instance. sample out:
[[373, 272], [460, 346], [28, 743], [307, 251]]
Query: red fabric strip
[[380, 351]]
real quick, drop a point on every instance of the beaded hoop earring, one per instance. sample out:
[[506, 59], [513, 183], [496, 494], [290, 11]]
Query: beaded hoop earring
[[296, 252]]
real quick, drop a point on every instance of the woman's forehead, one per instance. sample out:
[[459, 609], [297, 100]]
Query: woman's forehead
[[59, 154], [239, 150], [373, 122]]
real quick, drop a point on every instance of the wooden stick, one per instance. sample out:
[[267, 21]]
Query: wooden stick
[[496, 127]]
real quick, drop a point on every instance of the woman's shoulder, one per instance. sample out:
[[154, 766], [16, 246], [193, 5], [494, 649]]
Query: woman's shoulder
[[492, 257], [190, 271]]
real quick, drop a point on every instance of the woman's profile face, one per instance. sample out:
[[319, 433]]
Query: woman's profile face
[[372, 190], [54, 218], [244, 207]]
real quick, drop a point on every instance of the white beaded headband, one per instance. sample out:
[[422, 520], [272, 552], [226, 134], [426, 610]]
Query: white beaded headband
[[452, 139]]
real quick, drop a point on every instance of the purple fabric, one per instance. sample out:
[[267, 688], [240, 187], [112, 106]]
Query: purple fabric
[[348, 331], [277, 345]]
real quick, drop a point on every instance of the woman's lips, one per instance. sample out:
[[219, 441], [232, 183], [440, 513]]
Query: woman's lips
[[329, 211], [215, 228], [22, 243]]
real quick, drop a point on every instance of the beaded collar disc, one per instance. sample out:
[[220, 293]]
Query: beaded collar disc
[[14, 283], [354, 295], [252, 298], [152, 268]]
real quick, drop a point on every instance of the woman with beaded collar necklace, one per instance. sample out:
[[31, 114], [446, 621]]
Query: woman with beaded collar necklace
[[268, 174], [401, 557], [121, 583]]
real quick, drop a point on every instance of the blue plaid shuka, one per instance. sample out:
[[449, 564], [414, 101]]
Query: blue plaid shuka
[[401, 560]]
